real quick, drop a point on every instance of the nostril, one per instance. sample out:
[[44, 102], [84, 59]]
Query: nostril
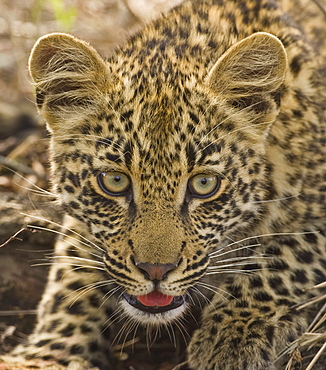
[[155, 271]]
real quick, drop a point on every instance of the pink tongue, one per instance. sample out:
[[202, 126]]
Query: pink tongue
[[155, 298]]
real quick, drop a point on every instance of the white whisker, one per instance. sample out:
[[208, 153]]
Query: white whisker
[[88, 242], [68, 241], [109, 294], [116, 316], [213, 289], [240, 272], [245, 247], [38, 190], [261, 236], [226, 119], [79, 259], [80, 267], [171, 334], [237, 130], [85, 290], [122, 331], [182, 329], [221, 268], [276, 200], [198, 293]]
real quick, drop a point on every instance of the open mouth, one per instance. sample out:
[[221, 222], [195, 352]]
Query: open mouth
[[154, 302]]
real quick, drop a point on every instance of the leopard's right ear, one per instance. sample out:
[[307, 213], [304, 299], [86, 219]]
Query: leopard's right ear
[[70, 79]]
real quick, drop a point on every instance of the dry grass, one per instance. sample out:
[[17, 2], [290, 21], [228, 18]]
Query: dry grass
[[312, 343]]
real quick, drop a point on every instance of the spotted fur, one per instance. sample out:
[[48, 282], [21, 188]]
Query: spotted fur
[[233, 89]]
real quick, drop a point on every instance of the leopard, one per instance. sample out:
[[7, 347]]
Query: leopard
[[191, 166]]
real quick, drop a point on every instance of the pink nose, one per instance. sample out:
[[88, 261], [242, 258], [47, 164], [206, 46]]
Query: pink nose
[[155, 271]]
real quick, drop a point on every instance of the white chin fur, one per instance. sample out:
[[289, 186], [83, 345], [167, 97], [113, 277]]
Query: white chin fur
[[153, 318]]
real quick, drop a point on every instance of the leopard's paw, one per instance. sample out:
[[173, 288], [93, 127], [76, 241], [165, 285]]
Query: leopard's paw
[[20, 363]]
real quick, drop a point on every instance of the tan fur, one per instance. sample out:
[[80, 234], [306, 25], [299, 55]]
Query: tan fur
[[229, 90], [80, 72]]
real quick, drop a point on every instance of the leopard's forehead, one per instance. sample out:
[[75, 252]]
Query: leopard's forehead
[[155, 149], [156, 126], [159, 155]]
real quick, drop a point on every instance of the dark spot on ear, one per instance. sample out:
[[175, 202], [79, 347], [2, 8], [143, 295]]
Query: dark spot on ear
[[40, 96]]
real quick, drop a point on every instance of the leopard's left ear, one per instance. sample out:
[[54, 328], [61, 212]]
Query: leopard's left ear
[[249, 71], [69, 77]]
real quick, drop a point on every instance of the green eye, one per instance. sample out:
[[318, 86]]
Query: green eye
[[203, 185], [114, 183]]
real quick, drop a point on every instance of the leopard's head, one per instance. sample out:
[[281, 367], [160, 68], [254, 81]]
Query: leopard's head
[[161, 160]]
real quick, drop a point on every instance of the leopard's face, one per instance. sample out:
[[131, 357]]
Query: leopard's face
[[159, 199], [161, 180]]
